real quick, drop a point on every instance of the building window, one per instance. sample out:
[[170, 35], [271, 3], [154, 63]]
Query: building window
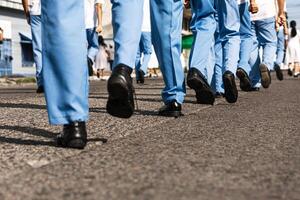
[[27, 52], [5, 58]]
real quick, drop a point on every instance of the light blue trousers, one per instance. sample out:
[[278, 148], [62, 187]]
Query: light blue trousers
[[92, 40], [203, 26], [229, 24], [246, 37], [36, 32], [218, 69], [145, 51], [64, 61], [264, 36], [166, 23], [280, 47]]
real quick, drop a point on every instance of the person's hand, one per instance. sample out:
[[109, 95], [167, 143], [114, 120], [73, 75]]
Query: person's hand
[[187, 4], [281, 21], [99, 29], [253, 8]]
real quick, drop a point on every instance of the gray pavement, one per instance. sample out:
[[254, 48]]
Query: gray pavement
[[249, 150]]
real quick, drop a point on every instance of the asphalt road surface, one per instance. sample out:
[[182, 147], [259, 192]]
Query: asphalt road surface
[[249, 150]]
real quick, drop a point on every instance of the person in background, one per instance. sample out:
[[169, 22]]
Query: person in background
[[32, 9], [264, 36], [101, 62], [246, 35], [145, 46], [281, 37], [1, 35], [93, 25], [293, 49], [111, 56]]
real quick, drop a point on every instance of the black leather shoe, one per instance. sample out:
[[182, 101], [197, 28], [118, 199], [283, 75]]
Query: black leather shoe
[[265, 75], [245, 83], [90, 67], [74, 135], [120, 89], [197, 82], [219, 95], [141, 77], [278, 71], [231, 92], [40, 90], [172, 109]]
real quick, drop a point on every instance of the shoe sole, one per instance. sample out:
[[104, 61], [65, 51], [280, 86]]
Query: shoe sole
[[231, 93], [118, 104], [203, 94], [265, 76], [175, 114], [75, 143], [279, 73], [245, 84]]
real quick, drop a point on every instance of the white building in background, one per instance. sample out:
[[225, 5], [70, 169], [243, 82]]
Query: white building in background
[[17, 33]]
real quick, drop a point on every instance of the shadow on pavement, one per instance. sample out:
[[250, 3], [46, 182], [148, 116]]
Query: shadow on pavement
[[22, 105]]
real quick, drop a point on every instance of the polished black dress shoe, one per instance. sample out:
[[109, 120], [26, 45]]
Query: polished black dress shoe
[[74, 135], [265, 75], [172, 109], [278, 71], [219, 95], [231, 92], [245, 83], [120, 89], [90, 67], [197, 82], [40, 90], [141, 77]]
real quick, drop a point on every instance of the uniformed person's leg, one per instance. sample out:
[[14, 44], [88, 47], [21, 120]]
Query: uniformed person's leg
[[266, 35], [218, 72], [127, 23], [144, 51], [279, 54], [93, 48], [203, 26], [245, 48], [36, 32], [166, 21], [254, 61], [147, 51], [229, 23], [138, 63], [65, 69], [218, 68]]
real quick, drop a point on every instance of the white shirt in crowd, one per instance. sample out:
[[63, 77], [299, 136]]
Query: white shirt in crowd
[[293, 49], [241, 1], [267, 9], [35, 7], [146, 26], [91, 20]]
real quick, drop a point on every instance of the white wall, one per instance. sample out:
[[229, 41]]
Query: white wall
[[18, 24]]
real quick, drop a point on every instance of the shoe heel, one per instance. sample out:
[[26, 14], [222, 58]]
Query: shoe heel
[[194, 83], [265, 77], [231, 93]]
